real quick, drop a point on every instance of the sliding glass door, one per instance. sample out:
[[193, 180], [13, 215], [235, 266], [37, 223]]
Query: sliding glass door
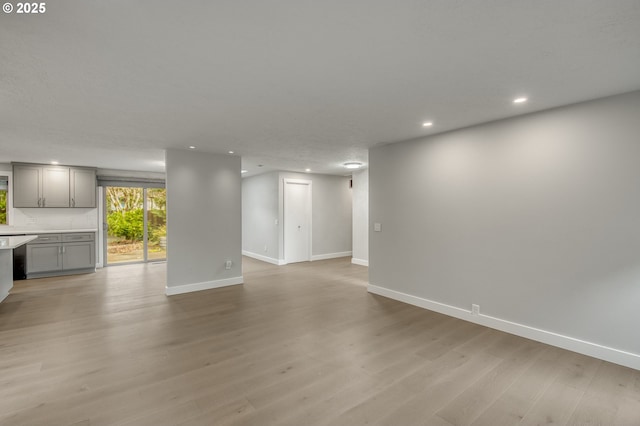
[[156, 207], [135, 221]]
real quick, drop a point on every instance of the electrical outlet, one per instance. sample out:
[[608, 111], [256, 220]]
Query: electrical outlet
[[31, 220], [377, 227], [475, 309], [227, 264]]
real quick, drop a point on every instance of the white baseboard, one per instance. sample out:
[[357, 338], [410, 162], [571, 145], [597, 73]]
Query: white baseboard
[[360, 262], [207, 285], [330, 255], [267, 259], [3, 295], [595, 350]]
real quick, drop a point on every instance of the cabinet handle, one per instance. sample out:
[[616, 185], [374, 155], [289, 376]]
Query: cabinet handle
[[43, 201], [73, 202], [39, 201], [64, 250]]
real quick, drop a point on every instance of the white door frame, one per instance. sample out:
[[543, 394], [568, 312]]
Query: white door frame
[[309, 210]]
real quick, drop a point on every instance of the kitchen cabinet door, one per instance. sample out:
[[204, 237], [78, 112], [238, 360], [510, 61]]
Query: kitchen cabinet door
[[83, 187], [78, 255], [55, 186], [27, 186], [44, 257]]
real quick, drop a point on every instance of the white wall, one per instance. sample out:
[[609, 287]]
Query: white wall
[[203, 220], [263, 196], [536, 219], [259, 216], [360, 193], [75, 218]]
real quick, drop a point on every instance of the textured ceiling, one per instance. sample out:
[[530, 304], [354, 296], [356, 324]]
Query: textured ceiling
[[293, 84]]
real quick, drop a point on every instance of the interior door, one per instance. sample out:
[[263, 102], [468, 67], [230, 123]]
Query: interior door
[[297, 220]]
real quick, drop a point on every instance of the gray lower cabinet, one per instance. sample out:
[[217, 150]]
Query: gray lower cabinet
[[61, 254], [44, 257], [78, 255]]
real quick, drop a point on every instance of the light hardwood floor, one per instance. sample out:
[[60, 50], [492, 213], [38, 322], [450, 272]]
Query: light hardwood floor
[[301, 344]]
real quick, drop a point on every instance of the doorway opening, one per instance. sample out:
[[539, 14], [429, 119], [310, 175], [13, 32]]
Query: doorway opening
[[135, 224]]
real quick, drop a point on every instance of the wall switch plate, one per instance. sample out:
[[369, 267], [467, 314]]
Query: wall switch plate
[[276, 221], [377, 227], [265, 247], [227, 264], [475, 309]]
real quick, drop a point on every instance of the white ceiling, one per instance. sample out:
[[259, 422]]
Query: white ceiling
[[293, 84]]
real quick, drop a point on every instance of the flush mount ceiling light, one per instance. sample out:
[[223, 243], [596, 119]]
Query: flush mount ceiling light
[[307, 170], [353, 165], [230, 152], [192, 147], [520, 100], [243, 171], [427, 124], [54, 162]]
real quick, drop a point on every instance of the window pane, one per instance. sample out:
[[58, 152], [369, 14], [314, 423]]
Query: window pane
[[157, 223], [3, 206], [125, 224]]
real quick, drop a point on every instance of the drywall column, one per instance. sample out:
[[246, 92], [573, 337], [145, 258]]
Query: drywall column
[[536, 219], [203, 221], [360, 193]]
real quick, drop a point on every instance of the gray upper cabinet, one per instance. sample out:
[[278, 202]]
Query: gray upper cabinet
[[37, 185], [83, 187], [55, 186], [27, 185]]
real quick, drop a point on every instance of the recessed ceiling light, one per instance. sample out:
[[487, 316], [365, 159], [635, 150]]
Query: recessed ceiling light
[[230, 152], [427, 124], [243, 171], [353, 165], [192, 147], [54, 162], [307, 170], [520, 100]]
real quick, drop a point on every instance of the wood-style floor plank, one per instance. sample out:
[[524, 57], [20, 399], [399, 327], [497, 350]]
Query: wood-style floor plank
[[301, 344]]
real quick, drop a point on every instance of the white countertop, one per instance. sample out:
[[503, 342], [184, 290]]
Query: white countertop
[[7, 243], [34, 231]]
